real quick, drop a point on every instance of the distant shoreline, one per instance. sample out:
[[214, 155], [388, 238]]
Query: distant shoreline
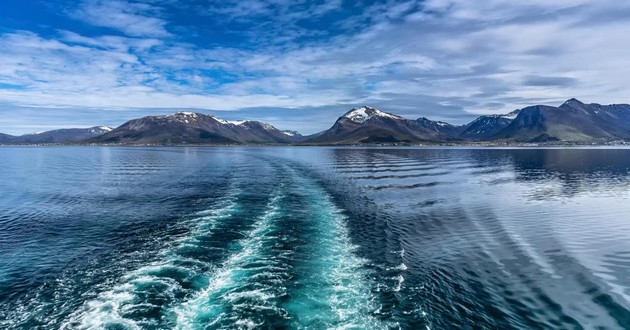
[[390, 145]]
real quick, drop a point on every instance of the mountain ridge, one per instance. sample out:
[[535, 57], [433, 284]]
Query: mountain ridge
[[63, 135], [193, 128], [571, 122]]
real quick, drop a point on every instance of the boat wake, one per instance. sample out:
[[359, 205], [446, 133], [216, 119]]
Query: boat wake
[[284, 260]]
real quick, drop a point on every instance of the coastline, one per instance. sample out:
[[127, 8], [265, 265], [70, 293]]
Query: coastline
[[617, 143]]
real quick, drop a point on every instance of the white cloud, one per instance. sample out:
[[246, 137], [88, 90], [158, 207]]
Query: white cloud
[[445, 59], [131, 18]]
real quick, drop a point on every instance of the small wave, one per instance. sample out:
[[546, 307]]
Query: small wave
[[407, 176], [386, 170], [411, 186], [402, 266], [399, 282]]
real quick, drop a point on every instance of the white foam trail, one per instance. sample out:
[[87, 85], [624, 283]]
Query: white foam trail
[[247, 323], [399, 282], [401, 267], [207, 304], [108, 308], [339, 296]]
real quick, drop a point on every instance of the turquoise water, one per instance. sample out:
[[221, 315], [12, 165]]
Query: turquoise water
[[314, 238]]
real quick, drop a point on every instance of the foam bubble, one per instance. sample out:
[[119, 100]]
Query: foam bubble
[[399, 282]]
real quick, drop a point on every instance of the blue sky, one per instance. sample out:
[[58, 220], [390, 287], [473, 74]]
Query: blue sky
[[300, 64]]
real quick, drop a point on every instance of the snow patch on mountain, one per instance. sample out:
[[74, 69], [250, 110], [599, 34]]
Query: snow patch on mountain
[[220, 120], [290, 133], [363, 114], [186, 113], [572, 102], [512, 115], [100, 129], [231, 122], [183, 117]]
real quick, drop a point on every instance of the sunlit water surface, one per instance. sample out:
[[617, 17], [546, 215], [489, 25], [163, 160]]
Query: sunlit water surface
[[314, 238]]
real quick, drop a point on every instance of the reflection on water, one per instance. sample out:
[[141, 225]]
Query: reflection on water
[[314, 238]]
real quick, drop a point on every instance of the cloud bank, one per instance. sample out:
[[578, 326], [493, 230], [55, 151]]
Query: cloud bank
[[303, 63]]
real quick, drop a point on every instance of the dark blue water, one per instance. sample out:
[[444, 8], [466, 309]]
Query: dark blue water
[[314, 238]]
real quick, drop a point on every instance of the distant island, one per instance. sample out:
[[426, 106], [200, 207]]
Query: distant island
[[573, 122]]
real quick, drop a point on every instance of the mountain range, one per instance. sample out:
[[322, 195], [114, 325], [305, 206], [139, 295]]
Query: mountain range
[[65, 135], [572, 122], [195, 128]]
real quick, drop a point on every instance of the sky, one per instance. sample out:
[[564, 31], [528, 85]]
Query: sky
[[301, 64]]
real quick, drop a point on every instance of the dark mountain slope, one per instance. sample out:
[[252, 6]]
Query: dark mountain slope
[[485, 127], [193, 128], [6, 138], [62, 135], [443, 129], [573, 121]]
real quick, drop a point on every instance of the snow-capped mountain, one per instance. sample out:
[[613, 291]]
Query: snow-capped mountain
[[193, 128], [487, 126], [370, 125], [363, 114], [573, 121], [66, 135]]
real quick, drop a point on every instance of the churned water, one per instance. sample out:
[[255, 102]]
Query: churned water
[[314, 238]]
